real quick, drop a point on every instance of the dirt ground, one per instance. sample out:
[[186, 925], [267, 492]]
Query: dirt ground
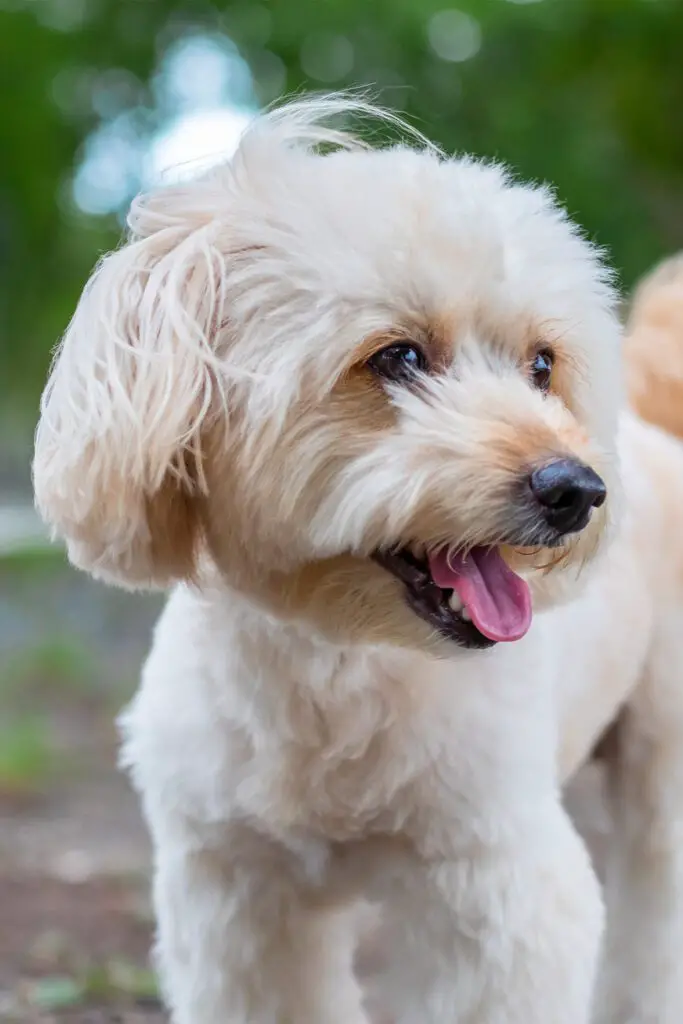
[[75, 927], [74, 951]]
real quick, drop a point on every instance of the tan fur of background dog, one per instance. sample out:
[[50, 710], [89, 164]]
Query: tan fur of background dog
[[654, 347]]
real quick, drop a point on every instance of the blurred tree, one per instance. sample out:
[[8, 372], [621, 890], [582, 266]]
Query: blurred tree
[[587, 94]]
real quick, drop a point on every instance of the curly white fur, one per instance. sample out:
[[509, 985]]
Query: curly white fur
[[301, 739]]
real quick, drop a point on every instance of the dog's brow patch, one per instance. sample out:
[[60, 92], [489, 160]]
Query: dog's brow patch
[[442, 343], [375, 342]]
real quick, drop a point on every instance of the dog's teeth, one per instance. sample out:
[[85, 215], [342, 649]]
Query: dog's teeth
[[464, 614], [455, 602]]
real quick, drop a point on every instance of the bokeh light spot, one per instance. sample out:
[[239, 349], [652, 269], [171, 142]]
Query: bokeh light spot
[[326, 57], [454, 35]]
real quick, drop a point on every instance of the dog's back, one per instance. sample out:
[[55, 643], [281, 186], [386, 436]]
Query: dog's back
[[653, 347]]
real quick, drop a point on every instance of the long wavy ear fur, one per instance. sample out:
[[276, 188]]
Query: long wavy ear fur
[[118, 456], [137, 386]]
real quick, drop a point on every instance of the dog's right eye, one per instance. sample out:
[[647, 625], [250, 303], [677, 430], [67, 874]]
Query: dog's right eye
[[399, 362]]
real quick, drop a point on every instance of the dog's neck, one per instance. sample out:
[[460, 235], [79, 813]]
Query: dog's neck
[[294, 656]]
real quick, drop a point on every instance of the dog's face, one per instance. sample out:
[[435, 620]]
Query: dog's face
[[379, 387]]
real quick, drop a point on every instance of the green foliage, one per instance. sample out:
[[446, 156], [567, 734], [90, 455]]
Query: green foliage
[[26, 757], [32, 559], [584, 93], [56, 993], [54, 671], [115, 982], [59, 663]]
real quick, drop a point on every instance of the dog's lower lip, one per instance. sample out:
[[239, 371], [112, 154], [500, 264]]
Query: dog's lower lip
[[429, 601]]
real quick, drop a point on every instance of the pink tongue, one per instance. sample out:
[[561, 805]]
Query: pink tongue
[[498, 600]]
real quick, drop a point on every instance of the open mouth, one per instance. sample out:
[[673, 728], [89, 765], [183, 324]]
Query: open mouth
[[474, 600]]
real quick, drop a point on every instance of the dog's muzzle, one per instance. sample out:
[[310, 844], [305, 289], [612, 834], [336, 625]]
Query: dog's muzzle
[[474, 598]]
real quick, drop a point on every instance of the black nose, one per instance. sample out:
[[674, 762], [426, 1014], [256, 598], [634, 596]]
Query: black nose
[[566, 491]]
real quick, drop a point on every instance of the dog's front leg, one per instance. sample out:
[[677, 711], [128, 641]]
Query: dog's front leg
[[241, 941], [506, 934]]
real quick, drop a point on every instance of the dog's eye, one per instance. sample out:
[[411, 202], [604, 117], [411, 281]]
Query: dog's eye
[[542, 370], [398, 362]]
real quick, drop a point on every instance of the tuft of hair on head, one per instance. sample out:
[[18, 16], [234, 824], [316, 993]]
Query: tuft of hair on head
[[139, 382], [348, 120]]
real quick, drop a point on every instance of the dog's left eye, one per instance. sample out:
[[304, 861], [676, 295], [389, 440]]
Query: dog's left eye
[[542, 370], [398, 362]]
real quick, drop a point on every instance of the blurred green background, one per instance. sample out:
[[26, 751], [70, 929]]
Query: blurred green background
[[101, 97], [587, 94]]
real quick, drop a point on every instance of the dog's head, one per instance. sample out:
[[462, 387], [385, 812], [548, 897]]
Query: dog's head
[[377, 387]]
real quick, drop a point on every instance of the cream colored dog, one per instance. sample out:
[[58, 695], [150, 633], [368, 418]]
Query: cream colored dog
[[359, 407]]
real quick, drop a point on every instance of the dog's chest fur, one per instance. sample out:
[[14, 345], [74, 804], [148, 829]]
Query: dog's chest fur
[[342, 756], [267, 726]]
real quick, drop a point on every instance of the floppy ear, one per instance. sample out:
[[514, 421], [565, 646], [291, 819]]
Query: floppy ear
[[133, 388]]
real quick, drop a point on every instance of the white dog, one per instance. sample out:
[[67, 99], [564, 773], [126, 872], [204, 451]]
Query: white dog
[[361, 406]]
